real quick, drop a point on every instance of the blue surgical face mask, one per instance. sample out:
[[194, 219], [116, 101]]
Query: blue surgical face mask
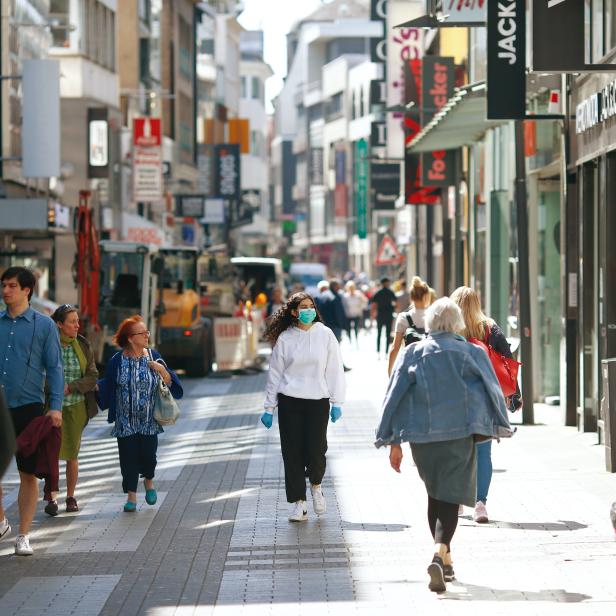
[[307, 315]]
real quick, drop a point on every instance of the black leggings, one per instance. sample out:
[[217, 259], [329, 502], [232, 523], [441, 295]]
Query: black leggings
[[443, 520]]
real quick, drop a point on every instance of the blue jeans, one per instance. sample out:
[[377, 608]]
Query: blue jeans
[[484, 469]]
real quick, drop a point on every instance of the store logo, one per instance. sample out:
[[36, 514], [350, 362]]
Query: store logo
[[587, 114], [507, 28]]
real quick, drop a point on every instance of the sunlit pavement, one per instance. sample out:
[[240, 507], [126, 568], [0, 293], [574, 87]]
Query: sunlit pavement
[[218, 541]]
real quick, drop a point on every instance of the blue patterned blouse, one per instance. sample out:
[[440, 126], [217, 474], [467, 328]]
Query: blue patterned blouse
[[135, 395]]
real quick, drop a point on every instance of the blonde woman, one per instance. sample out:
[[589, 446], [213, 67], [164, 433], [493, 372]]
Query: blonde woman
[[412, 318], [477, 324]]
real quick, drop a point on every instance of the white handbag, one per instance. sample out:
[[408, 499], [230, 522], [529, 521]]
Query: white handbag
[[166, 409]]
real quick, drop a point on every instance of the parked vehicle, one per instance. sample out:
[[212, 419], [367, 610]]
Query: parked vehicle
[[308, 275]]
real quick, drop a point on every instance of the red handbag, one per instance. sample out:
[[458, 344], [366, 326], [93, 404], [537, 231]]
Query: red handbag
[[506, 368]]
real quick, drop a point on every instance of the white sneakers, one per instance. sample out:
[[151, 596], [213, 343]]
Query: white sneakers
[[5, 528], [22, 546], [481, 513], [300, 513], [318, 500]]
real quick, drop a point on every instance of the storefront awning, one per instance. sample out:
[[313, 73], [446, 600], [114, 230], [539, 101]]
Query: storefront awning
[[462, 121]]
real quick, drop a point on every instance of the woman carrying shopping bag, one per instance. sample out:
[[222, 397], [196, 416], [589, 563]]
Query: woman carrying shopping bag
[[306, 375], [130, 390], [79, 404], [477, 324]]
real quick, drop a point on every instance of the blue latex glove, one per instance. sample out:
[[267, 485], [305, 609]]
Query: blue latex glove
[[335, 413], [266, 419]]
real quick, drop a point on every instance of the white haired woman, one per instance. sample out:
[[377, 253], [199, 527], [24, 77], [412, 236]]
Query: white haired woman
[[442, 396]]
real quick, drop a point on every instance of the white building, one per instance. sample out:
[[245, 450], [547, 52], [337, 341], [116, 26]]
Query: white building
[[314, 114]]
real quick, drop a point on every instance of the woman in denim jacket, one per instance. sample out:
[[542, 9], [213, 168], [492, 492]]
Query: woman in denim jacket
[[442, 396]]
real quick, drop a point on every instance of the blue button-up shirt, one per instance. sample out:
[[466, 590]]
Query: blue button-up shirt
[[29, 354]]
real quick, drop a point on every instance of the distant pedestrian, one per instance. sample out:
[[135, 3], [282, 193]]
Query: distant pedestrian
[[129, 391], [443, 394], [275, 303], [80, 376], [7, 451], [305, 376], [354, 302], [383, 302], [29, 355], [410, 326], [403, 299], [477, 325]]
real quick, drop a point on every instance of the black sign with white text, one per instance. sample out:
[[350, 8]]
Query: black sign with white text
[[385, 184], [227, 171], [438, 168], [506, 60]]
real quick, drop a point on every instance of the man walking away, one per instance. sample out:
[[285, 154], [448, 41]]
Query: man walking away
[[384, 300], [29, 354]]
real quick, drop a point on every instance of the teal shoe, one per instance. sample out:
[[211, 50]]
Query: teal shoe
[[151, 497], [130, 507]]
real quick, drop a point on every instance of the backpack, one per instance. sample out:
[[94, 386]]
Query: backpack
[[412, 333], [506, 368]]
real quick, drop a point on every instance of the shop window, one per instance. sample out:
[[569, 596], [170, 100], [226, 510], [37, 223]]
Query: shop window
[[256, 88], [59, 14]]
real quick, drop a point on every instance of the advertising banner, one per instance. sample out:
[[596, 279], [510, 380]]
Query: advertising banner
[[147, 160], [361, 194], [438, 83], [506, 83], [385, 185], [227, 171], [565, 50]]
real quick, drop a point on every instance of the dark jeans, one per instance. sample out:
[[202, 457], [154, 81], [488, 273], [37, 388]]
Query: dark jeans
[[303, 439], [137, 457], [484, 470], [22, 416], [354, 325], [383, 322], [443, 520]]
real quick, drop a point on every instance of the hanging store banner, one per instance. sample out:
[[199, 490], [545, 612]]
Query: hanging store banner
[[361, 192], [378, 134], [378, 45], [566, 50], [316, 167], [506, 83], [340, 201], [147, 174], [227, 171], [378, 92], [438, 168], [463, 12], [403, 44], [147, 132], [385, 185], [98, 142], [438, 83]]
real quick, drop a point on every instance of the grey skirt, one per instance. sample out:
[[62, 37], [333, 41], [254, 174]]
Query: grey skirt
[[448, 469]]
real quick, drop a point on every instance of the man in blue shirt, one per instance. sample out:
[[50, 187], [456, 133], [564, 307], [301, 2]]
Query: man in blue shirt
[[29, 354]]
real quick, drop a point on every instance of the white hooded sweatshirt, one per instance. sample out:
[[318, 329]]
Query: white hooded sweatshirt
[[306, 364]]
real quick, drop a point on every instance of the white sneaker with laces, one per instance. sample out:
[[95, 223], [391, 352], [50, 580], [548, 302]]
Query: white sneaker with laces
[[5, 528], [300, 512], [318, 500], [481, 513], [22, 546]]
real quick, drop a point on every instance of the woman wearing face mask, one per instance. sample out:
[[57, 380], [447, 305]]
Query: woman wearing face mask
[[306, 375]]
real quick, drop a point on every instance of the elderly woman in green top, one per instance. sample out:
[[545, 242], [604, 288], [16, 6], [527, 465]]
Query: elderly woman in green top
[[80, 375]]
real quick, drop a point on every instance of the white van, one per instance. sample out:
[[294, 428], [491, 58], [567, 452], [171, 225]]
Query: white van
[[261, 275], [308, 275]]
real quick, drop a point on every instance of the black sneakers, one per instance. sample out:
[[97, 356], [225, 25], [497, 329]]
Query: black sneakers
[[437, 575], [51, 508]]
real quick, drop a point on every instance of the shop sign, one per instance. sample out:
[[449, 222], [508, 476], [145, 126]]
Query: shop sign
[[189, 206], [227, 171], [316, 166], [378, 92], [378, 134], [147, 132], [438, 168], [506, 83], [378, 55], [385, 183], [147, 174], [596, 109], [98, 143], [465, 12], [214, 212], [565, 51], [361, 194], [438, 82]]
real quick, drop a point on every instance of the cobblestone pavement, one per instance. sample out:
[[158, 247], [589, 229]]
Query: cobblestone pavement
[[218, 541]]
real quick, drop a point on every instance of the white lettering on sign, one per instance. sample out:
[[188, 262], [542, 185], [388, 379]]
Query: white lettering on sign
[[608, 101], [507, 27], [228, 174], [587, 114]]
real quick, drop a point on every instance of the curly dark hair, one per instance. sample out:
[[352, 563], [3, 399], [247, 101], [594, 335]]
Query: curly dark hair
[[283, 319]]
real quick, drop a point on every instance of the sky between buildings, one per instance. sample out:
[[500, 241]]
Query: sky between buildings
[[275, 18]]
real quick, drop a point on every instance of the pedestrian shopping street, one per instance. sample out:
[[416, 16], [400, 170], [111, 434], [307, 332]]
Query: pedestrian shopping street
[[218, 541]]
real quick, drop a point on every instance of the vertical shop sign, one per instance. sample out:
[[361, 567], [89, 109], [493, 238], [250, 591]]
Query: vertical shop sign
[[463, 12], [147, 160], [227, 176], [507, 60], [565, 50], [361, 196]]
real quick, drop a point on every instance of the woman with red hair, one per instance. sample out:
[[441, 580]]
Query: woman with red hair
[[129, 391]]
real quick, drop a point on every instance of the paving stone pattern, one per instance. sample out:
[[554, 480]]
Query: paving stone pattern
[[218, 543]]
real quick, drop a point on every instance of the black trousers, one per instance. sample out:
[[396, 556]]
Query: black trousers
[[137, 457], [22, 416], [303, 439], [383, 322], [443, 520]]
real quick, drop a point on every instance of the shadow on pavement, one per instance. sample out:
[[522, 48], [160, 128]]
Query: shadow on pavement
[[372, 527], [561, 525], [485, 593]]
